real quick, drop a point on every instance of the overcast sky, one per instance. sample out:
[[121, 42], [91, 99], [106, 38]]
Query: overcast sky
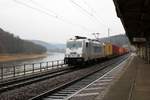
[[56, 21]]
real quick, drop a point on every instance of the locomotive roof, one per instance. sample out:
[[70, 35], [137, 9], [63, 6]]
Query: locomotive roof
[[79, 38], [87, 40]]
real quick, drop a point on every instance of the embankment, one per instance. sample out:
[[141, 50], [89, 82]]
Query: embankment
[[17, 57]]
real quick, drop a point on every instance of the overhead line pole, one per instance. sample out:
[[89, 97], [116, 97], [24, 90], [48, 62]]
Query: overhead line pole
[[109, 34]]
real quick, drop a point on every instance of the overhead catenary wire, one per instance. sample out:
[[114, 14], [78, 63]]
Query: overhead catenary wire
[[59, 16], [94, 12], [89, 13], [91, 20], [34, 8], [36, 3], [98, 16], [81, 7], [47, 12]]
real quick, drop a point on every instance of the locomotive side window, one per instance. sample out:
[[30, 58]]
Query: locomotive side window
[[87, 45], [97, 49]]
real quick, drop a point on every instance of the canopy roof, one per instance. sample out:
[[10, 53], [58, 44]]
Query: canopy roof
[[135, 17]]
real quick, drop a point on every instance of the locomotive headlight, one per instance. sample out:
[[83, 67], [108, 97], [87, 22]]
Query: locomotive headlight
[[80, 55]]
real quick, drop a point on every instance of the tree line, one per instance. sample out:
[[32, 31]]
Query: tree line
[[119, 40], [11, 44]]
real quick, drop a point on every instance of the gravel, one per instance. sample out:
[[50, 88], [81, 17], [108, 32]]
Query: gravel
[[29, 91]]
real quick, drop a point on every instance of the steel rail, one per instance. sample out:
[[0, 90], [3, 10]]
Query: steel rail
[[71, 82], [29, 80]]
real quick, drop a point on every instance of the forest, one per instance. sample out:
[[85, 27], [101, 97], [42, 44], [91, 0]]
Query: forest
[[119, 40], [10, 44]]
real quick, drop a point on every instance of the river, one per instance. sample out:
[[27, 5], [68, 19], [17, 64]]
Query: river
[[28, 65], [51, 56]]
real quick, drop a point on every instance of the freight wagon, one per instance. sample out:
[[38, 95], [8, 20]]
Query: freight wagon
[[82, 50]]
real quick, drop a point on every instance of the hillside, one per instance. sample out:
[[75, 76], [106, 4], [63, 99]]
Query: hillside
[[10, 44], [51, 47], [45, 44], [120, 40]]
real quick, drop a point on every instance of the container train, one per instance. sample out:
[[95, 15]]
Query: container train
[[80, 50]]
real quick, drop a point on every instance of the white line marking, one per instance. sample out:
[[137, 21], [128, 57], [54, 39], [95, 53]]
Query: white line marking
[[97, 79], [86, 94], [96, 88]]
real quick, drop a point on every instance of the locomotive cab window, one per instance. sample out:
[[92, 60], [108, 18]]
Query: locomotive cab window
[[74, 44]]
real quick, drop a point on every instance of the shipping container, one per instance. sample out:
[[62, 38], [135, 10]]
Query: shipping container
[[115, 50], [121, 51], [108, 49]]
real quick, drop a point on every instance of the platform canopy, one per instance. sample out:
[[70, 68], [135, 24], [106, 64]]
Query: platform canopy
[[135, 17]]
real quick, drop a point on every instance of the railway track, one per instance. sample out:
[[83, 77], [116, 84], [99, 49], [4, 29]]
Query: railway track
[[12, 84], [69, 88]]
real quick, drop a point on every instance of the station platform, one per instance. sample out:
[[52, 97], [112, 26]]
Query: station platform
[[134, 84], [131, 81]]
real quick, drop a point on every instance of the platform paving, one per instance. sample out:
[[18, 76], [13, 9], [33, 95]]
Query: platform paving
[[100, 86], [131, 82], [134, 84]]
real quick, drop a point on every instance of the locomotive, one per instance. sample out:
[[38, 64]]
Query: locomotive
[[80, 50]]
